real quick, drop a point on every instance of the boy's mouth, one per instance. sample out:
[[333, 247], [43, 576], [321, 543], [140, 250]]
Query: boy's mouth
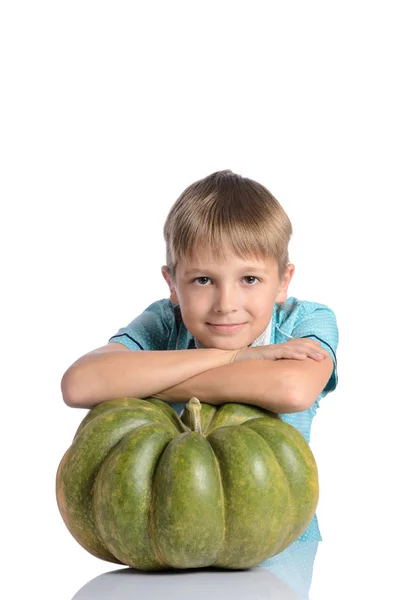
[[226, 328]]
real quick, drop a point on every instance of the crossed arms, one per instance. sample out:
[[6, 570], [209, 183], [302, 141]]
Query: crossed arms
[[114, 371]]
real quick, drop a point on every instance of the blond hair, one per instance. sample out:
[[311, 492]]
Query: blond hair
[[225, 210]]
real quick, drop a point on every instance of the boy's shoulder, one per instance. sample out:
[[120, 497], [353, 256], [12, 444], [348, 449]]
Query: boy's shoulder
[[291, 313], [164, 305], [168, 312], [163, 308]]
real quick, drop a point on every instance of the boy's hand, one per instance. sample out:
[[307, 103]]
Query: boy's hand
[[298, 348]]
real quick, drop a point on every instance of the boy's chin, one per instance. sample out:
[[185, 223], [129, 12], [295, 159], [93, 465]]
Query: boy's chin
[[221, 345]]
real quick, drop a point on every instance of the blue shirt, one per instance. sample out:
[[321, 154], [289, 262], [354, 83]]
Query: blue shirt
[[160, 327]]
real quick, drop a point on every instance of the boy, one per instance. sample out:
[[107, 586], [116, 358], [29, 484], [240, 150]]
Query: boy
[[229, 230], [228, 332]]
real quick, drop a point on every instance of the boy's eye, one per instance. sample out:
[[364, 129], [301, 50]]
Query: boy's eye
[[247, 277], [199, 278]]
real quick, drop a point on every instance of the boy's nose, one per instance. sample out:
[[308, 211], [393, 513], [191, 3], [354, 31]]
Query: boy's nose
[[226, 300]]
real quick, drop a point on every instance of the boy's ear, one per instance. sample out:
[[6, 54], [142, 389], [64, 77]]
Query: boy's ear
[[173, 292], [283, 289]]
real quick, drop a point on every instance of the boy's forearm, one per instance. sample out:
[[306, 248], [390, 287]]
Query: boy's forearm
[[97, 377], [263, 383]]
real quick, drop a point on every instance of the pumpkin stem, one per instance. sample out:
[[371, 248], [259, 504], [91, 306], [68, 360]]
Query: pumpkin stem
[[194, 407]]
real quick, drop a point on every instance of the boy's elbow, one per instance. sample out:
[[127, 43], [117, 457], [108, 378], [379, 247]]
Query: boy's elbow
[[300, 403], [291, 405], [68, 389], [76, 390], [288, 403]]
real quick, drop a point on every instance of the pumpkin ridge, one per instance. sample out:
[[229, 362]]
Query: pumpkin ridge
[[232, 442], [298, 451], [79, 517], [234, 413], [127, 403], [286, 480], [209, 423], [152, 519], [187, 510], [124, 494], [223, 499]]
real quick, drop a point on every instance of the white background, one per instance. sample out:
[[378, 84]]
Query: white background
[[108, 111]]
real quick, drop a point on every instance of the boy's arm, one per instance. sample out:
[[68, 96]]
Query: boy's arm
[[264, 383], [282, 386], [114, 371]]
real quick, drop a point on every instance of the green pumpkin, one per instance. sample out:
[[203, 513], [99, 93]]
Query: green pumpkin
[[223, 486]]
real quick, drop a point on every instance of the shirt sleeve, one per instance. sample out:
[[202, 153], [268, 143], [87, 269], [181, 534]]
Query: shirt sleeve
[[151, 330], [318, 322]]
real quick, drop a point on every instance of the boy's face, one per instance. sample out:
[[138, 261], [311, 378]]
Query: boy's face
[[234, 291]]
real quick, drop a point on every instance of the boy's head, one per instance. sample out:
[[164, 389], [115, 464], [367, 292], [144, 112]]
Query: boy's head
[[221, 225]]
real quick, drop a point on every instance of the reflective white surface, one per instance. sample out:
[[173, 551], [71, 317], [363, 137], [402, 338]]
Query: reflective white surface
[[127, 584], [286, 576], [67, 573]]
